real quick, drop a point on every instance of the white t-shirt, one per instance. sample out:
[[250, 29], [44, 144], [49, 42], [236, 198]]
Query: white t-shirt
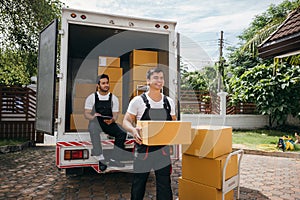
[[90, 101], [137, 105]]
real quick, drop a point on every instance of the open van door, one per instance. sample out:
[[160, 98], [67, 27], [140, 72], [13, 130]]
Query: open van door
[[46, 81]]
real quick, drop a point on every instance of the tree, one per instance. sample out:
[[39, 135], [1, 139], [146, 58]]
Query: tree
[[204, 80], [245, 56], [20, 24], [272, 87], [265, 24], [13, 69], [274, 95]]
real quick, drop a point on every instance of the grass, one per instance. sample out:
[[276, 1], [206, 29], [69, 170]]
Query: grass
[[261, 139], [5, 142], [265, 140]]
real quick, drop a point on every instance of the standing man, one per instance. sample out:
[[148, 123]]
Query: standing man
[[101, 109], [152, 105]]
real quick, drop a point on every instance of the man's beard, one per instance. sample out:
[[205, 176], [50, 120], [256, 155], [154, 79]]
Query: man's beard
[[104, 89]]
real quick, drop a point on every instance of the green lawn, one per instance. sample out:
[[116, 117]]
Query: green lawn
[[253, 139], [260, 139], [4, 142]]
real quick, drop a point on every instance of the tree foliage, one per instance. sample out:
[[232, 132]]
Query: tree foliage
[[20, 24], [13, 69], [260, 29], [272, 87], [204, 80], [270, 19], [274, 94]]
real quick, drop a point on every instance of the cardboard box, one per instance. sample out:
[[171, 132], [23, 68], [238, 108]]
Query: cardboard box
[[120, 103], [120, 119], [78, 122], [165, 132], [106, 61], [139, 72], [116, 88], [143, 57], [115, 74], [84, 89], [208, 171], [189, 190], [78, 105], [209, 141]]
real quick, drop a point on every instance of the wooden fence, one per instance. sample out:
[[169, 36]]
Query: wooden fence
[[17, 116], [203, 102], [18, 108]]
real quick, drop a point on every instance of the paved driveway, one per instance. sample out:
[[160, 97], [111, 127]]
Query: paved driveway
[[32, 174]]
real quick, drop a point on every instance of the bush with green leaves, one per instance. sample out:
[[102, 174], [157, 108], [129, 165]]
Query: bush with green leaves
[[204, 80], [274, 89], [13, 70]]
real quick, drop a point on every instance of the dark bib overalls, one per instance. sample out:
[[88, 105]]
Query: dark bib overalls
[[104, 107], [153, 157]]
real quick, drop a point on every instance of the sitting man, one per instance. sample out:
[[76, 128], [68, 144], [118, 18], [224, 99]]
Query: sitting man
[[101, 109]]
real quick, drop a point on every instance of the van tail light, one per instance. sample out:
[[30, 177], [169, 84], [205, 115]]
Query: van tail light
[[76, 154]]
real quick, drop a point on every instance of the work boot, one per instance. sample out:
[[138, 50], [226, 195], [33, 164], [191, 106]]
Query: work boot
[[102, 166]]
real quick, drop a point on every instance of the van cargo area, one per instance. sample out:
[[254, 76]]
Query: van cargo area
[[87, 43]]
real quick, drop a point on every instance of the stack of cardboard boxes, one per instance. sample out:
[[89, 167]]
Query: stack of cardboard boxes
[[141, 61], [109, 66], [203, 162], [77, 120]]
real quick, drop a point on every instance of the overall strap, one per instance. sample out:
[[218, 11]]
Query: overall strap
[[167, 105], [110, 99], [146, 101]]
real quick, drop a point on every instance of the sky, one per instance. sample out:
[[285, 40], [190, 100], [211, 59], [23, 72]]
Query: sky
[[199, 22]]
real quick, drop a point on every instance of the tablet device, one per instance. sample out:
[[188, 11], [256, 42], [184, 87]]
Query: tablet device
[[105, 117]]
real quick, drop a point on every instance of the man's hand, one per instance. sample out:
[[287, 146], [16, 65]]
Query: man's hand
[[97, 115], [137, 135], [109, 121]]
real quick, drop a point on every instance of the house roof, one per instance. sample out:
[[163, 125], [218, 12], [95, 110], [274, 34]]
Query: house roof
[[285, 39]]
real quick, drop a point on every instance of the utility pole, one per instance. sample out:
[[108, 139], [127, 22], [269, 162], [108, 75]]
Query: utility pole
[[221, 62]]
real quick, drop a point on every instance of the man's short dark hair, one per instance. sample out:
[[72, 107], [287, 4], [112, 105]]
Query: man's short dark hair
[[101, 77], [153, 70]]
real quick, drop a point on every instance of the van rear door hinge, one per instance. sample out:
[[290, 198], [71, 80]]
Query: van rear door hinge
[[61, 32], [58, 120], [60, 75]]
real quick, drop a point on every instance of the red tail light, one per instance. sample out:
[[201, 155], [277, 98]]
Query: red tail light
[[76, 154]]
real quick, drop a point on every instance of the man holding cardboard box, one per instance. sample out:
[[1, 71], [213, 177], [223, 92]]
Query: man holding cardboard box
[[101, 109], [152, 105]]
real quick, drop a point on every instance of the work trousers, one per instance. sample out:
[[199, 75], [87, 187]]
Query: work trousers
[[158, 160], [114, 130]]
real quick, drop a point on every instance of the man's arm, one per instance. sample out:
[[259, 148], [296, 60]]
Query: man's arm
[[115, 116], [128, 121], [174, 118], [88, 115]]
